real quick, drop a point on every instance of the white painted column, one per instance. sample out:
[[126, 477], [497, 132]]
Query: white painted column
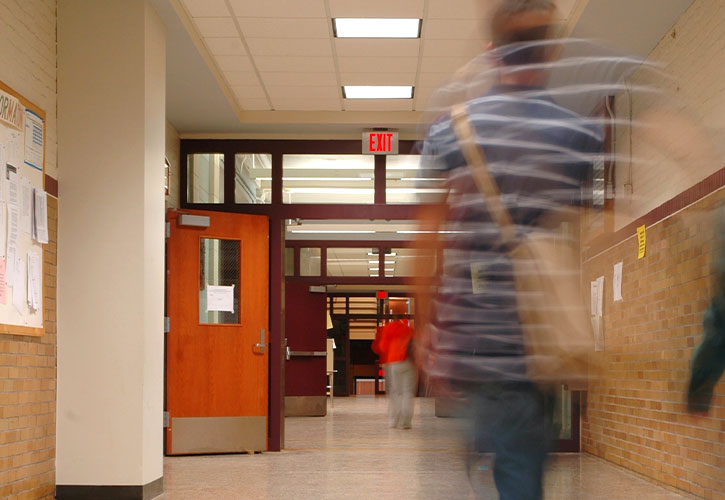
[[111, 107]]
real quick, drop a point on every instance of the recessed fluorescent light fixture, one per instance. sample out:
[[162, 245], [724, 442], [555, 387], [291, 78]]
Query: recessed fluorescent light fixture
[[377, 91], [363, 27]]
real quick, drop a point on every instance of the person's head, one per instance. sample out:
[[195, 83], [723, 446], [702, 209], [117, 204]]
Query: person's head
[[516, 21]]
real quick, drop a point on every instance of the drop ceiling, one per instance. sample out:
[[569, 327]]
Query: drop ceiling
[[273, 68]]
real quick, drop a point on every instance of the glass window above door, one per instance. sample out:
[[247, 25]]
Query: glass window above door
[[205, 178], [328, 179], [252, 178], [410, 179]]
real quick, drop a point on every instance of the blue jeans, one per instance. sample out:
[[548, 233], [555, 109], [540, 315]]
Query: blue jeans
[[512, 420]]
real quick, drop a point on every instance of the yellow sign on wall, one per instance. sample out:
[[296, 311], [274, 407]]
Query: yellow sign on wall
[[641, 241]]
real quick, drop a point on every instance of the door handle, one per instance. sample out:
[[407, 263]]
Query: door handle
[[261, 345], [288, 353]]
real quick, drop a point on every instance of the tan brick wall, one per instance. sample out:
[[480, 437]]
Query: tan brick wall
[[636, 415], [28, 364], [692, 54]]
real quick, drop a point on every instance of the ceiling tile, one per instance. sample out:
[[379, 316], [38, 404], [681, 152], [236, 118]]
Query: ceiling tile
[[377, 64], [254, 104], [455, 29], [234, 63], [379, 104], [442, 64], [304, 93], [447, 48], [374, 47], [291, 104], [378, 78], [207, 8], [225, 46], [249, 92], [376, 8], [458, 9], [262, 27], [301, 64], [289, 79], [216, 26], [429, 79], [422, 98], [289, 46], [278, 8], [241, 78]]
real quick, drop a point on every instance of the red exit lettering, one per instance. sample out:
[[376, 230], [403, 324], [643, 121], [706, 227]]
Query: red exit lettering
[[381, 141]]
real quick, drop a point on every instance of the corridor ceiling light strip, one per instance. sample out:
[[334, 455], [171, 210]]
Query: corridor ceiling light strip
[[391, 254], [318, 178], [432, 232], [377, 91], [331, 231], [363, 27]]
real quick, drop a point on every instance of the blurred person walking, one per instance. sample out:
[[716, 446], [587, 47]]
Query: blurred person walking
[[537, 154], [393, 344]]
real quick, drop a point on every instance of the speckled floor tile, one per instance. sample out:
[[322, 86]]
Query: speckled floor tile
[[352, 454]]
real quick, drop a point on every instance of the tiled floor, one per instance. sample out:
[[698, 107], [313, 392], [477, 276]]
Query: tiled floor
[[352, 454]]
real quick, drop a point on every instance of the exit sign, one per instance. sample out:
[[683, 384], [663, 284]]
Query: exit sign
[[383, 142]]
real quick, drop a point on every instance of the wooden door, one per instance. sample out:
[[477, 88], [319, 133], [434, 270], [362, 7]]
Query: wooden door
[[217, 346]]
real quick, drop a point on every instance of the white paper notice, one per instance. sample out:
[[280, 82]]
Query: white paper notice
[[33, 140], [12, 188], [617, 282], [34, 281], [13, 221], [3, 169], [220, 298], [20, 286], [40, 216], [26, 205], [594, 298], [3, 229], [9, 267], [15, 148], [600, 295]]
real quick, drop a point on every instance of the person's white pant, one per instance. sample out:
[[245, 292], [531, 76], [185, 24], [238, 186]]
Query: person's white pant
[[400, 386]]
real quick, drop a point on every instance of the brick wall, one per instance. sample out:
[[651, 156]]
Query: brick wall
[[28, 364], [636, 415]]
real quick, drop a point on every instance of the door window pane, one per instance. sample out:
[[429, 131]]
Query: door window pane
[[328, 179], [352, 262], [310, 263], [408, 179], [219, 281], [252, 178], [407, 262], [205, 178]]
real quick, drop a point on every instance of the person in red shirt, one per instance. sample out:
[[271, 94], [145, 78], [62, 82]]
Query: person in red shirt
[[392, 345]]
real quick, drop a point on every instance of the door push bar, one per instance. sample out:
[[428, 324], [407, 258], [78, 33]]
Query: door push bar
[[261, 345]]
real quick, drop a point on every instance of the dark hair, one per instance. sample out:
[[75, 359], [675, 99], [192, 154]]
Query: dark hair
[[501, 31]]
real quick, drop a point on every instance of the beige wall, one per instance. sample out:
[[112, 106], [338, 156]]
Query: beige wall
[[28, 364], [111, 101], [693, 55]]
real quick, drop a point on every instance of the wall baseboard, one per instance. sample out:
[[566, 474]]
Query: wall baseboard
[[145, 492]]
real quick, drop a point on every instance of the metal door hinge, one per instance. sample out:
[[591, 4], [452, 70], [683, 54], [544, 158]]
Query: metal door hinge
[[167, 419], [168, 229], [167, 324]]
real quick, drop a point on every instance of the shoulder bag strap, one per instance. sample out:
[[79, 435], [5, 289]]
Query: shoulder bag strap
[[476, 160]]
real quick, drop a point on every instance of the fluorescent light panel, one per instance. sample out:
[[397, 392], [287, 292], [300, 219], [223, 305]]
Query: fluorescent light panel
[[377, 91], [360, 27]]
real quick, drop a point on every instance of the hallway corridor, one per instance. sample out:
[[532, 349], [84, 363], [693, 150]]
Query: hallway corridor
[[352, 454]]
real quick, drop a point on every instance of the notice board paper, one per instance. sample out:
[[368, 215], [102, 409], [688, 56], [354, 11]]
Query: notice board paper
[[34, 281], [40, 216], [13, 221], [220, 298], [26, 204], [641, 241], [33, 140], [3, 230], [20, 286], [12, 188], [3, 298], [617, 281]]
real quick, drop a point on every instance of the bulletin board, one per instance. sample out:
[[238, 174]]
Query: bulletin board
[[23, 214]]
